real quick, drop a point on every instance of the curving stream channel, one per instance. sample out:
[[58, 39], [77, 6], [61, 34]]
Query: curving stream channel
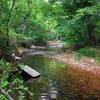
[[60, 82], [45, 87]]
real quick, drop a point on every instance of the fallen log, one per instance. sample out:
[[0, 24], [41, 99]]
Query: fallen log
[[28, 73]]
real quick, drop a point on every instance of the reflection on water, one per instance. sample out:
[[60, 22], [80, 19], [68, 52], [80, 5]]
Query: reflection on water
[[59, 82], [44, 88]]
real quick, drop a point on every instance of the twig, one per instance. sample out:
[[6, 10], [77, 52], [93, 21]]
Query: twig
[[6, 94]]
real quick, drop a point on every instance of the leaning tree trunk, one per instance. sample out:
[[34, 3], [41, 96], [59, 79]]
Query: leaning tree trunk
[[8, 21]]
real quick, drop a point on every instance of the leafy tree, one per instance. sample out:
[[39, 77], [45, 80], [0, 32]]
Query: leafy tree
[[77, 22]]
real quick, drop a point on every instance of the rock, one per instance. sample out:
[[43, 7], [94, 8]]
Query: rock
[[16, 57], [32, 47]]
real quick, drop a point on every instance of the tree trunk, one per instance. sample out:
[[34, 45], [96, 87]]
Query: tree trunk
[[8, 21], [91, 35]]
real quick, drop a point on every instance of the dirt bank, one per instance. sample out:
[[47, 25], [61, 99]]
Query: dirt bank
[[85, 63]]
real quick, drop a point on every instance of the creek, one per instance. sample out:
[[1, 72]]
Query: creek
[[45, 87]]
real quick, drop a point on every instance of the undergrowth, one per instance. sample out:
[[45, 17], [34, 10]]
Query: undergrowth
[[14, 88], [88, 52]]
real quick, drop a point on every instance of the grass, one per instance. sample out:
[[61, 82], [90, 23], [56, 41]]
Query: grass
[[89, 52]]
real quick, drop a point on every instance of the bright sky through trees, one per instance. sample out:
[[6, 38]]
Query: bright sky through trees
[[46, 0]]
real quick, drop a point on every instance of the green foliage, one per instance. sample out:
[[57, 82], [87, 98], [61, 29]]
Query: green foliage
[[89, 52], [15, 88], [75, 21], [13, 38], [3, 41], [4, 68], [79, 25], [29, 18], [4, 12]]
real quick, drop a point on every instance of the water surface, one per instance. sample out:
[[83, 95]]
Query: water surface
[[45, 87]]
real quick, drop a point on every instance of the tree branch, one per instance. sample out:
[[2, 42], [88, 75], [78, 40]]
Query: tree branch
[[6, 94]]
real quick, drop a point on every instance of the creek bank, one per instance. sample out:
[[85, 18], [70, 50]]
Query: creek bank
[[70, 82], [80, 81], [85, 63]]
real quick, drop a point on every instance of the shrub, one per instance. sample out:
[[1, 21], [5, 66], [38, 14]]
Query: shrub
[[3, 41], [15, 88], [89, 52]]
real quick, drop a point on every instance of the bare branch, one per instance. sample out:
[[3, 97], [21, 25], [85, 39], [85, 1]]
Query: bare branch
[[6, 94]]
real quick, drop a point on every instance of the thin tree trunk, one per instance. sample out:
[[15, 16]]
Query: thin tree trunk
[[91, 35], [8, 21], [86, 33]]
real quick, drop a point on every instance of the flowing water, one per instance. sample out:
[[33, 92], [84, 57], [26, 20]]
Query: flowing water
[[45, 87], [60, 82]]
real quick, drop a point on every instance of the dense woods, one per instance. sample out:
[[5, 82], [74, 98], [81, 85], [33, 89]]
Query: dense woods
[[26, 23], [76, 22]]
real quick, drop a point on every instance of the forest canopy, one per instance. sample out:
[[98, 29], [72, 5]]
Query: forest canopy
[[76, 22]]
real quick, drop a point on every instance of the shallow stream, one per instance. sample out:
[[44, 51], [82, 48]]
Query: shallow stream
[[45, 87]]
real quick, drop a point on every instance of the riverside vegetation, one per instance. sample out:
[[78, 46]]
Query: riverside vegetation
[[32, 23]]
